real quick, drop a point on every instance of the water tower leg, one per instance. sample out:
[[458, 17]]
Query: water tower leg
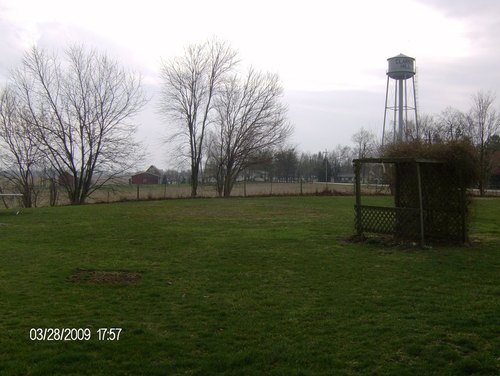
[[400, 112], [385, 110], [406, 112], [394, 128], [415, 107]]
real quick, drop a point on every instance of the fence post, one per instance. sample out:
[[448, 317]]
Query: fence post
[[357, 188], [137, 192]]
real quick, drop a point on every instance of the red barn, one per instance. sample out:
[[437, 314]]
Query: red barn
[[151, 176]]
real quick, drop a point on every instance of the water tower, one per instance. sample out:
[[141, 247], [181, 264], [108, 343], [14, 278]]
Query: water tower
[[401, 69]]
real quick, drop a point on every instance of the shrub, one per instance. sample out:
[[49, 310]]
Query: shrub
[[460, 157]]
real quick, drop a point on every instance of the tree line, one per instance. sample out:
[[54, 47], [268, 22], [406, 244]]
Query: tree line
[[68, 121], [287, 164]]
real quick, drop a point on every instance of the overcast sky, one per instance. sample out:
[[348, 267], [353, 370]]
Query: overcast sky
[[331, 55]]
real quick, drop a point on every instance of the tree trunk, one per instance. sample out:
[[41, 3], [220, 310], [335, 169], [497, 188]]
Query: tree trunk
[[228, 181], [194, 181], [52, 192], [220, 180], [227, 186], [482, 171]]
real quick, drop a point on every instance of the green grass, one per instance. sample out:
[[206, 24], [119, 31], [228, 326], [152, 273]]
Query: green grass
[[261, 286]]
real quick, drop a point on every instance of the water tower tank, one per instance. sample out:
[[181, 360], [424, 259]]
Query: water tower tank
[[401, 67], [400, 75]]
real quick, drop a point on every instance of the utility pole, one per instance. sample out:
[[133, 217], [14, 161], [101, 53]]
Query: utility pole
[[326, 169]]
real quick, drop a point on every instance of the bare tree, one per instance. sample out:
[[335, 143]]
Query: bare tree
[[365, 147], [365, 143], [286, 163], [484, 122], [21, 154], [341, 159], [452, 125], [81, 107], [250, 119], [428, 129], [190, 84]]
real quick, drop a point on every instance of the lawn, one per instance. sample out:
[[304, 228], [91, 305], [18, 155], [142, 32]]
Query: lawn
[[256, 286]]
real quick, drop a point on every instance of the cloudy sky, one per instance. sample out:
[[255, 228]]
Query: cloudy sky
[[331, 55]]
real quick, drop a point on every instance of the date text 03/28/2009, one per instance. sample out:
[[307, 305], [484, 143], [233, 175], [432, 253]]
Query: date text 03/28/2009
[[74, 334]]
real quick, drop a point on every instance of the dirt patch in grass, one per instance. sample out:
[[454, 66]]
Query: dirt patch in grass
[[104, 277], [385, 241]]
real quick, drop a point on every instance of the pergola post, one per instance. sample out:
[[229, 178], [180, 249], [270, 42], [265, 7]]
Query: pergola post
[[421, 205], [463, 208]]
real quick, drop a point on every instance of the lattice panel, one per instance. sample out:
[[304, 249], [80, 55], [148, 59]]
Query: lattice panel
[[402, 222], [406, 186], [377, 219], [407, 223], [441, 225]]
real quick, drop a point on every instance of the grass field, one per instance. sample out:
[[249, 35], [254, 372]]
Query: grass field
[[256, 286]]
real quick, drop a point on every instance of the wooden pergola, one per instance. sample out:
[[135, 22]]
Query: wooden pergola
[[429, 202]]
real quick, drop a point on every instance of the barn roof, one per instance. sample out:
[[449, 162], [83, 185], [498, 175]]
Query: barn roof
[[146, 173]]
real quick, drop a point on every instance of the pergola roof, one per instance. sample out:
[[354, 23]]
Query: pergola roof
[[397, 160]]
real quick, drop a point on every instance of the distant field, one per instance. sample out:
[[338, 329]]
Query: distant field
[[129, 192], [244, 286]]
